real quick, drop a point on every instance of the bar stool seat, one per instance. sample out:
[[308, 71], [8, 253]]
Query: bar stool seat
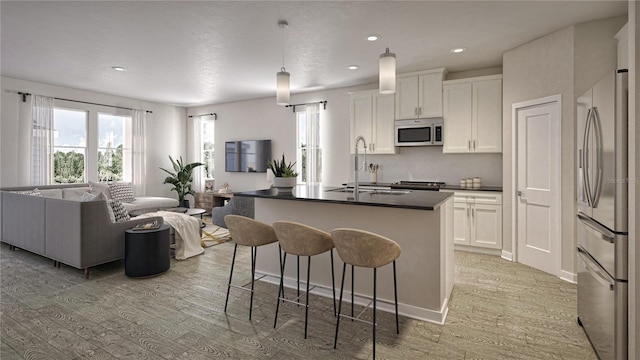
[[247, 232], [302, 240], [369, 250]]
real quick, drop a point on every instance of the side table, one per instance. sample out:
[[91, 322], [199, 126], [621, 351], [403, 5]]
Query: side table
[[146, 252]]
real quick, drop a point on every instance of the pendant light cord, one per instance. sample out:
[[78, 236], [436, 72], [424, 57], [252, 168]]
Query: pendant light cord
[[283, 24]]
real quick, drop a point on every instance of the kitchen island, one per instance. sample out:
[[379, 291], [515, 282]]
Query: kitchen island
[[421, 222]]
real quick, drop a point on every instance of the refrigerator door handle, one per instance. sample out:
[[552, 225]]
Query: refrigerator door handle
[[597, 229], [594, 270], [597, 127], [585, 154]]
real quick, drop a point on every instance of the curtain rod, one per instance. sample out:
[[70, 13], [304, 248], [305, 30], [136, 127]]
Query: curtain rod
[[323, 102], [24, 99], [215, 116]]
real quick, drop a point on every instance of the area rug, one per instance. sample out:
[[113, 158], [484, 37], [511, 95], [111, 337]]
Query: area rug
[[213, 234]]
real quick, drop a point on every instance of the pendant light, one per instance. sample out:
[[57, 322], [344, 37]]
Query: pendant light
[[283, 94], [387, 72]]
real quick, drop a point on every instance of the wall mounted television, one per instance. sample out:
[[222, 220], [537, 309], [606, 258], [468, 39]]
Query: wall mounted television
[[247, 155]]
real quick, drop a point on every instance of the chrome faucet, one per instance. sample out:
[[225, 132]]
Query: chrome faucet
[[356, 189]]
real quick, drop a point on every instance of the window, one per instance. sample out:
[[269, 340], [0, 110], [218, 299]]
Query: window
[[308, 151], [114, 147], [69, 146], [90, 145], [301, 151], [207, 150]]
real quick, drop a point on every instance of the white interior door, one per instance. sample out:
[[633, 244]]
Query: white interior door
[[538, 179]]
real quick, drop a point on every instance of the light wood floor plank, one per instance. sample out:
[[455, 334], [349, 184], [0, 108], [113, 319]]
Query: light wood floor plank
[[498, 310]]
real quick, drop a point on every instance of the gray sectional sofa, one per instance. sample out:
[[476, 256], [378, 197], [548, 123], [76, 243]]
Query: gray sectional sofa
[[60, 226]]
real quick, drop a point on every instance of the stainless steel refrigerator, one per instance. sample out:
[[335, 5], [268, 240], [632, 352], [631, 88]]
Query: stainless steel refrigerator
[[602, 215]]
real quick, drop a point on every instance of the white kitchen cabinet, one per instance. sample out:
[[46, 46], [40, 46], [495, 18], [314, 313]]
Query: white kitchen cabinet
[[419, 94], [371, 115], [472, 110], [477, 219]]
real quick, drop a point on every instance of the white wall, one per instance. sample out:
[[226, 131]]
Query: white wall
[[166, 132], [566, 62], [263, 119]]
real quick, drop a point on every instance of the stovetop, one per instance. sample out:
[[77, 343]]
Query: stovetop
[[418, 185]]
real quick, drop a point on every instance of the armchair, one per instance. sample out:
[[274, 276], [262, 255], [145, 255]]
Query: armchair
[[237, 205]]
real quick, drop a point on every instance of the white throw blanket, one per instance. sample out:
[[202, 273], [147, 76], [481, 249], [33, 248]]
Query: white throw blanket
[[187, 232]]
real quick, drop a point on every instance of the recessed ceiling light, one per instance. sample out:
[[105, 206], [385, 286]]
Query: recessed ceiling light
[[458, 50], [117, 68], [353, 67], [373, 37]]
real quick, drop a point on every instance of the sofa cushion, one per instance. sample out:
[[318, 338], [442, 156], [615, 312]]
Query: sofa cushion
[[151, 203], [119, 212], [74, 193], [52, 193], [34, 192], [97, 187], [122, 191]]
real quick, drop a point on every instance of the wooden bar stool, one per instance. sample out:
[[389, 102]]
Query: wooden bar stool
[[247, 232], [302, 240], [365, 249]]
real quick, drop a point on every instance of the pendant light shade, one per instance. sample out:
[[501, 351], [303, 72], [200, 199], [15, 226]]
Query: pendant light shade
[[283, 95], [387, 73], [283, 91]]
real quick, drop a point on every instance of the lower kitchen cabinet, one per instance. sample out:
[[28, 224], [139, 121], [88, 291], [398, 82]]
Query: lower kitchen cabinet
[[477, 219]]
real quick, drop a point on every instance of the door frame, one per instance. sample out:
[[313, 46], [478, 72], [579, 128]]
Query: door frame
[[557, 198]]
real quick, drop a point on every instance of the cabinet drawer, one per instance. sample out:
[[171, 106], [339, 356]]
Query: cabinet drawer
[[478, 197]]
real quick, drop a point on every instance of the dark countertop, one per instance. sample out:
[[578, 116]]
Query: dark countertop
[[445, 187], [415, 199], [481, 188]]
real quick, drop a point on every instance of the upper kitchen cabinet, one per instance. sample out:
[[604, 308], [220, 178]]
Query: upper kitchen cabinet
[[473, 115], [419, 94], [372, 117]]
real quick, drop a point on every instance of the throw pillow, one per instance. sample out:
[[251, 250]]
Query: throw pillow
[[97, 187], [87, 196], [119, 212], [122, 191]]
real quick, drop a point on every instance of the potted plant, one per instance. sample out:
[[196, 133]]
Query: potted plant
[[284, 174], [181, 179]]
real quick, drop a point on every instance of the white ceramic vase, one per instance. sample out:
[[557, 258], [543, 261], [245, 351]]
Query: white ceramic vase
[[284, 182]]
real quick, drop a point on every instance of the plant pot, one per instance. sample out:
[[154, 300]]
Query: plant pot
[[184, 204], [284, 182]]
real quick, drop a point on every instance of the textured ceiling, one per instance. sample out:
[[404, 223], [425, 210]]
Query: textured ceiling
[[192, 53]]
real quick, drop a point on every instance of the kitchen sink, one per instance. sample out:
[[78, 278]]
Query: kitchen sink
[[351, 190], [373, 191], [391, 192]]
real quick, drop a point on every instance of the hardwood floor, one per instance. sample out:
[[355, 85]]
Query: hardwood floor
[[499, 310]]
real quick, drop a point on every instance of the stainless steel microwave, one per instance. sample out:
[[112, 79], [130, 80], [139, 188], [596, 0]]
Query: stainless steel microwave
[[419, 132]]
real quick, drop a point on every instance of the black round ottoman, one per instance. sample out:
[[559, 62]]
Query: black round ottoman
[[146, 252]]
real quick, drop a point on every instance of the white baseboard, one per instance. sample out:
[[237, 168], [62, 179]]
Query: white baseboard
[[477, 250], [414, 312], [507, 255], [568, 276]]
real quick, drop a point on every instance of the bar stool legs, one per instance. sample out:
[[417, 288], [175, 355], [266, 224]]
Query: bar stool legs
[[254, 251], [374, 301], [233, 261], [297, 300]]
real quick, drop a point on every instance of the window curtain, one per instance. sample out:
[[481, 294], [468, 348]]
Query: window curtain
[[198, 183], [42, 140], [314, 166], [139, 125]]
